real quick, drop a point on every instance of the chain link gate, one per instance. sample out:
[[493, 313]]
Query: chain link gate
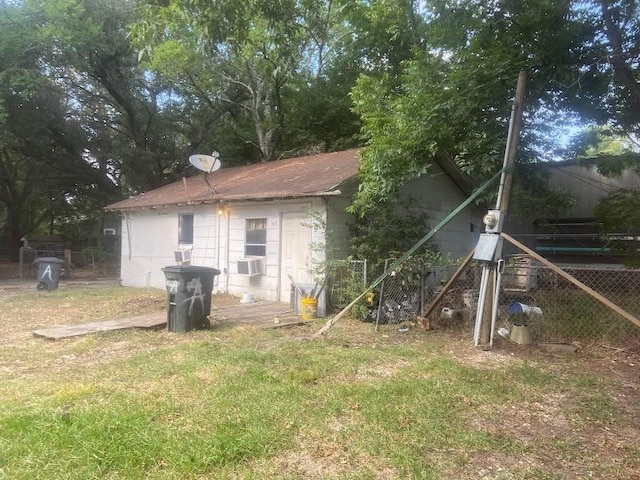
[[345, 279]]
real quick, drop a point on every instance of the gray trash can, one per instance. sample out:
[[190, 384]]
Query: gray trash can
[[49, 271], [188, 296]]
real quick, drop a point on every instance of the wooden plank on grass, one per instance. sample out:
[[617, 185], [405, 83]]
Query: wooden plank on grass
[[153, 320]]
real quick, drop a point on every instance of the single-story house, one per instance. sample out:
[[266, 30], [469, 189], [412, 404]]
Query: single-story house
[[253, 223]]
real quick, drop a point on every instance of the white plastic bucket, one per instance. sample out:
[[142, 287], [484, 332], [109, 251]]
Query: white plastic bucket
[[247, 298]]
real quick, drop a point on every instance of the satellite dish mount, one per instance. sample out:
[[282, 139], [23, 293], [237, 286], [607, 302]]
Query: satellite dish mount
[[206, 164]]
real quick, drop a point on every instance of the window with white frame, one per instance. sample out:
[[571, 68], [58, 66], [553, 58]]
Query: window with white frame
[[255, 240], [185, 229]]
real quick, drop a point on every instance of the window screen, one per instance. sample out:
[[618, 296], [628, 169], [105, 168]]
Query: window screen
[[255, 243], [185, 229]]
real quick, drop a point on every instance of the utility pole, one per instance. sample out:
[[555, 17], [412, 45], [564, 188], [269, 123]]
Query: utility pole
[[489, 248]]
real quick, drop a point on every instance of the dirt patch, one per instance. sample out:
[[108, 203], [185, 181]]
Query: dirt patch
[[541, 429], [224, 299], [328, 454]]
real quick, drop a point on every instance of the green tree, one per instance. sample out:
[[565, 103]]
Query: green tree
[[388, 229], [319, 115], [133, 125], [83, 124], [453, 98], [29, 120], [233, 57], [276, 76]]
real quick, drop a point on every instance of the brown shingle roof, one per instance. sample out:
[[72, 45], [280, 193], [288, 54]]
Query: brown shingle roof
[[309, 176]]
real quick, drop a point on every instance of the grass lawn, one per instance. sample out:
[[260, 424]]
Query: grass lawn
[[240, 402]]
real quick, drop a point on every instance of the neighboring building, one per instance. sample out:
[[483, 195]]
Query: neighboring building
[[253, 223], [575, 237]]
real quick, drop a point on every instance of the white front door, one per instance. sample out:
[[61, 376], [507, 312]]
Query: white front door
[[295, 253]]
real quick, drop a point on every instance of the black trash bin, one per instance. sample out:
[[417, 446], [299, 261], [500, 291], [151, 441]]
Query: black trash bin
[[49, 271], [188, 296]]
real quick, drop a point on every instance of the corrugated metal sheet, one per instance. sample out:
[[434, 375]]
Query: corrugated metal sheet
[[308, 176]]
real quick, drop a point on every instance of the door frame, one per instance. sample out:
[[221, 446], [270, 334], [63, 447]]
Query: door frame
[[282, 278]]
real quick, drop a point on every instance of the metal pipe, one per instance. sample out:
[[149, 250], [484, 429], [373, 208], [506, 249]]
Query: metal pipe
[[573, 249], [482, 295], [496, 296]]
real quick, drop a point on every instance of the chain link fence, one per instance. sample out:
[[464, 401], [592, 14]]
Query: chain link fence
[[92, 262], [345, 280], [564, 312], [405, 293], [553, 309]]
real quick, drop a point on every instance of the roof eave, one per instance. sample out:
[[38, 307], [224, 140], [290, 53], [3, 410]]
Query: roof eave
[[223, 199], [455, 173]]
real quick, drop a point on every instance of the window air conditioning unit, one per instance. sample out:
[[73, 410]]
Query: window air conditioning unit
[[183, 256], [251, 266]]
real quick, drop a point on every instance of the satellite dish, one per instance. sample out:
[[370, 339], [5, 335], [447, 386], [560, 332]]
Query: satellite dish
[[206, 163]]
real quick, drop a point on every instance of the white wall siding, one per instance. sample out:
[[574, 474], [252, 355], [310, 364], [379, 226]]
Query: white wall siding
[[439, 196], [150, 238], [205, 236], [338, 223], [209, 240], [262, 286]]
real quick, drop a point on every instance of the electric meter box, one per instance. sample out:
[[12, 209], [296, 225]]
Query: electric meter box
[[489, 247], [493, 221]]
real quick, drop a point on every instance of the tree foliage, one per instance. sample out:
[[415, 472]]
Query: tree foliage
[[240, 59], [32, 121], [84, 123], [619, 216], [384, 231], [103, 98], [453, 99]]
